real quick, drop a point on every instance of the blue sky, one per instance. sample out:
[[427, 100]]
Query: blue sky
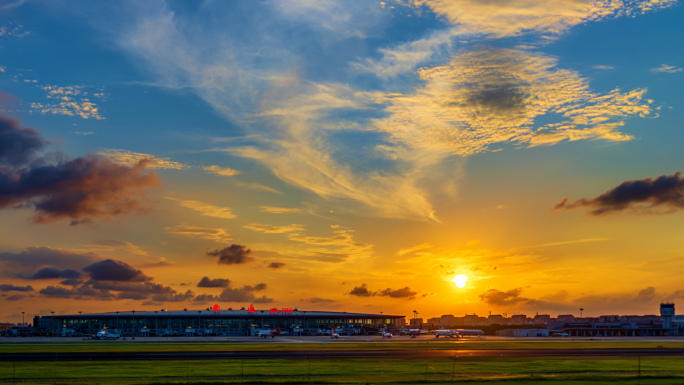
[[343, 145]]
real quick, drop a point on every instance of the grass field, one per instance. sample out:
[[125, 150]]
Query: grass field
[[449, 370], [351, 371]]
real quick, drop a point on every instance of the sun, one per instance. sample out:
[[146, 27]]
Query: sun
[[460, 281]]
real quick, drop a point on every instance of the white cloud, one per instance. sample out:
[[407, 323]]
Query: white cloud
[[217, 235], [504, 18], [666, 69], [223, 171], [130, 158]]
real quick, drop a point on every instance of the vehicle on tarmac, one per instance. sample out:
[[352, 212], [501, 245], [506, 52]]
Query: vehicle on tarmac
[[265, 333]]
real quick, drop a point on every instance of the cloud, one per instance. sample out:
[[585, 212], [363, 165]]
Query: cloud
[[8, 287], [502, 298], [80, 189], [244, 294], [319, 300], [638, 195], [206, 209], [275, 229], [83, 292], [276, 265], [645, 295], [604, 67], [51, 273], [18, 144], [280, 210], [111, 270], [415, 248], [216, 282], [26, 263], [70, 101], [233, 254], [493, 96], [217, 235], [666, 69], [361, 291], [223, 171], [398, 293], [15, 297], [507, 18], [130, 159]]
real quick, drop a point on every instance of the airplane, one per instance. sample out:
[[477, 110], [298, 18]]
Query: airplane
[[416, 332], [105, 334], [456, 333], [265, 333]]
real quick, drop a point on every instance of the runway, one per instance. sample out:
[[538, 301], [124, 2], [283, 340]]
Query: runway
[[332, 354]]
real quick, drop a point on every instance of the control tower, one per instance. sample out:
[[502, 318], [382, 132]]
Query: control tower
[[667, 311]]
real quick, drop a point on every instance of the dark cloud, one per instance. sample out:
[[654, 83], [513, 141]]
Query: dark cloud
[[71, 282], [498, 98], [174, 297], [276, 265], [8, 287], [257, 287], [83, 292], [217, 282], [51, 272], [79, 189], [204, 298], [665, 190], [44, 256], [139, 287], [319, 300], [399, 293], [15, 297], [233, 254], [111, 270], [645, 295], [18, 145], [361, 291], [502, 298]]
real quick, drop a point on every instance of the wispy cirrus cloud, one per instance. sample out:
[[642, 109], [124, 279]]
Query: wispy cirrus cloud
[[130, 158], [515, 17], [223, 171], [206, 209], [275, 229], [280, 210], [664, 68], [217, 235]]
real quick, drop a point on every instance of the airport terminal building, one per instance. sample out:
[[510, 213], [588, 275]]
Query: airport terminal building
[[214, 321]]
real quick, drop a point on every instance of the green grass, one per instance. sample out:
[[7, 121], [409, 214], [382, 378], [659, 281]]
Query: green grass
[[617, 370]]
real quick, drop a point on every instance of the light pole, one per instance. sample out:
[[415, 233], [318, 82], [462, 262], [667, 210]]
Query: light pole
[[52, 324], [199, 322], [80, 323], [156, 324], [22, 320], [117, 321], [581, 310], [133, 323]]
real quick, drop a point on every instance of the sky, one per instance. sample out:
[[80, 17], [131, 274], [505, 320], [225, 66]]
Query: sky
[[342, 156]]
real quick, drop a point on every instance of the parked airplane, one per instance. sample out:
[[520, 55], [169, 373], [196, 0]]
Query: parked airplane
[[416, 332], [105, 334], [456, 333], [265, 333]]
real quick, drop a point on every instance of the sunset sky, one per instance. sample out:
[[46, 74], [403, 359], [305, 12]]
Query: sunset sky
[[342, 155]]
